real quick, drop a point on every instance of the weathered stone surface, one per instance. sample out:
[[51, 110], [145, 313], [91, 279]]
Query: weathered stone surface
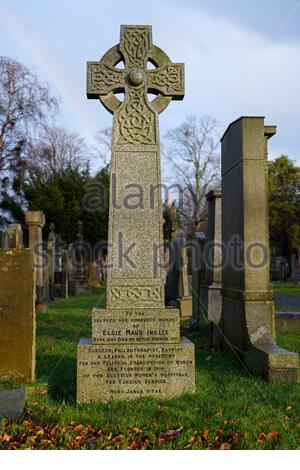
[[185, 299], [198, 275], [173, 272], [17, 313], [81, 285], [135, 326], [295, 267], [247, 298], [125, 367], [133, 371], [51, 260], [287, 321], [65, 275], [36, 221], [211, 284], [15, 236], [12, 403], [135, 162], [93, 277], [186, 306]]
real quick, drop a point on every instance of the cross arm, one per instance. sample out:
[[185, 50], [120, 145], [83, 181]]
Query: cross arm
[[102, 79], [167, 80]]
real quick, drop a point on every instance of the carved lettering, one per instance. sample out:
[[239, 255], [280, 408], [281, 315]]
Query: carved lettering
[[136, 293]]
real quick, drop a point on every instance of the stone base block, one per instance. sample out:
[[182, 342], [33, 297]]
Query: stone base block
[[159, 325], [272, 362], [12, 403], [287, 321], [81, 287], [186, 306], [119, 372]]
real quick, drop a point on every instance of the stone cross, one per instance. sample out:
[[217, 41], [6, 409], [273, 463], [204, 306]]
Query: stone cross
[[135, 159], [136, 332]]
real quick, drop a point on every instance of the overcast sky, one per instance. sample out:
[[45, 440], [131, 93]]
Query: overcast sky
[[242, 57]]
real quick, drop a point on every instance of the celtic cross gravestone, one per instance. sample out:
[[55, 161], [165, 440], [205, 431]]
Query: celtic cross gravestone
[[135, 348]]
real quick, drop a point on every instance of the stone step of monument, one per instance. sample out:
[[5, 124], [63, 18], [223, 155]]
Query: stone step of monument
[[106, 372]]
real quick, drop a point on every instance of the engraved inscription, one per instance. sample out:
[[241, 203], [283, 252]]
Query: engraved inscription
[[127, 371], [135, 326], [136, 293]]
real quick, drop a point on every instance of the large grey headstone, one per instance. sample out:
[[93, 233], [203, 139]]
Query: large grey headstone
[[135, 348], [247, 296]]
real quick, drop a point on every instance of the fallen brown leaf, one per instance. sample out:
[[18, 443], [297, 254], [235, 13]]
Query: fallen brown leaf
[[46, 442], [54, 431], [39, 431], [217, 436], [225, 446], [89, 430], [171, 434], [274, 435], [27, 422], [78, 428], [135, 431], [118, 438], [134, 446]]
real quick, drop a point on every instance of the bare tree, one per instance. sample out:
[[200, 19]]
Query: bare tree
[[192, 149], [103, 140], [25, 103], [56, 150]]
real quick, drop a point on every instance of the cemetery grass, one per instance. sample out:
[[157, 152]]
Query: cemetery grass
[[230, 409], [286, 288], [290, 291]]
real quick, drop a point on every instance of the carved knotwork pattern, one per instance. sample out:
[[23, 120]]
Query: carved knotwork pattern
[[136, 120], [102, 78], [136, 293], [136, 45], [168, 79]]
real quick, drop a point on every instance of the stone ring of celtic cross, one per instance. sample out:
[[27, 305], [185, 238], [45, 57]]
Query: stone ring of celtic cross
[[135, 78]]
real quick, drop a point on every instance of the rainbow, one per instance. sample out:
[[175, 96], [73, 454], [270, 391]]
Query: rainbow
[[84, 119]]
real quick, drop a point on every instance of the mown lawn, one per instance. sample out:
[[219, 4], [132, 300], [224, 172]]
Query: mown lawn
[[230, 409], [286, 288]]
